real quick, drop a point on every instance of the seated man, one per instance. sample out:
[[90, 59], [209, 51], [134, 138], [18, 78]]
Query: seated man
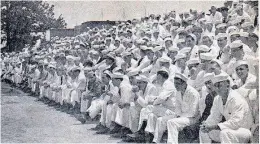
[[186, 108], [93, 90], [243, 78], [236, 112]]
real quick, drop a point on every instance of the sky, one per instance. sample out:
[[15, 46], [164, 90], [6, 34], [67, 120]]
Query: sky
[[77, 12]]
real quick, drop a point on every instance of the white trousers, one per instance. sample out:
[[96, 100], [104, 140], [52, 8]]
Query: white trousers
[[122, 117], [240, 135], [157, 111], [95, 107], [161, 126], [75, 97], [111, 114], [144, 114], [134, 117], [175, 125]]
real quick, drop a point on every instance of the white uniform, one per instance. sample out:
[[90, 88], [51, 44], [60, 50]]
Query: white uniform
[[122, 115], [187, 110], [238, 120], [144, 98], [78, 86]]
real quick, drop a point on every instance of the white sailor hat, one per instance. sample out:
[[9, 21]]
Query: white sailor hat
[[157, 48], [244, 34], [132, 73], [208, 77], [108, 73], [143, 47], [247, 24], [240, 62], [164, 58], [235, 33], [167, 39], [117, 75], [70, 57], [180, 41], [124, 54], [221, 25], [221, 35], [231, 29], [180, 56], [181, 76], [220, 63], [142, 78], [75, 68], [173, 48], [204, 48], [87, 68], [206, 56], [236, 44], [185, 50], [193, 61], [219, 78], [163, 69]]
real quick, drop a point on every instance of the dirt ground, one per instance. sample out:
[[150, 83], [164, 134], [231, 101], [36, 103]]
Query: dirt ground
[[24, 120]]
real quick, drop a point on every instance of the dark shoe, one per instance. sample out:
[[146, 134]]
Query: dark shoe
[[104, 130], [82, 120], [116, 129], [117, 135], [149, 137], [98, 127]]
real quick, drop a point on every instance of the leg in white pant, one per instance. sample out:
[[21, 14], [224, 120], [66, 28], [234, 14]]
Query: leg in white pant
[[208, 137], [240, 135], [151, 123], [103, 114], [134, 117], [161, 126], [144, 114], [175, 125]]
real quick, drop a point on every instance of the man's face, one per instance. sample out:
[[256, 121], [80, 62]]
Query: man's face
[[222, 42], [192, 68], [181, 62], [178, 83], [150, 54], [132, 80], [239, 11], [116, 82], [213, 10], [190, 42], [242, 71], [165, 64], [141, 84], [214, 68], [206, 41], [210, 86], [168, 44], [181, 45], [222, 88], [237, 53], [117, 43], [109, 61], [172, 54], [105, 79], [235, 37]]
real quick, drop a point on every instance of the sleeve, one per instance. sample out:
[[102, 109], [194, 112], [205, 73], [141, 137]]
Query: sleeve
[[194, 105], [236, 119], [215, 116]]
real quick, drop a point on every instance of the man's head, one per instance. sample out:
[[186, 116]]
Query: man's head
[[222, 87], [162, 76], [222, 40], [180, 82], [207, 41], [208, 81], [105, 78], [242, 69], [117, 81], [133, 80], [149, 53], [213, 9], [215, 67], [237, 50], [191, 40]]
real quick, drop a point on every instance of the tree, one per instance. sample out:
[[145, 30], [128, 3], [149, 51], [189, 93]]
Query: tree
[[19, 19]]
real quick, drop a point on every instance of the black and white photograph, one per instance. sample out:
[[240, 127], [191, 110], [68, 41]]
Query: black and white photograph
[[129, 71]]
